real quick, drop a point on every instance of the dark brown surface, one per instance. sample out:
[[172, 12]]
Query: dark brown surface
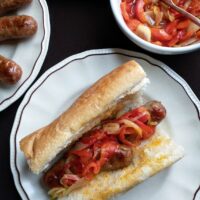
[[16, 27], [77, 26], [10, 72]]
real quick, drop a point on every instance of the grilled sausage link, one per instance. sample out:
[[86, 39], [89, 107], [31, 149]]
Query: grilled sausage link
[[157, 111], [9, 5], [10, 72], [14, 27], [122, 158], [52, 177]]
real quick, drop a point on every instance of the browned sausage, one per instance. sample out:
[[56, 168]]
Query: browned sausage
[[122, 158], [157, 110], [52, 177], [14, 27], [10, 72], [9, 5]]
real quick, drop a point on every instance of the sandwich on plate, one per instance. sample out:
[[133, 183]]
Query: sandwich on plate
[[105, 143]]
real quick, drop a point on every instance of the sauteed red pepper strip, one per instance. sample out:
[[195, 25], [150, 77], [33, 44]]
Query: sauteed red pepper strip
[[154, 21]]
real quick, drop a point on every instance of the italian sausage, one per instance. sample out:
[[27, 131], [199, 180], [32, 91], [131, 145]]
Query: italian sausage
[[52, 177], [121, 159], [10, 5], [10, 72], [157, 111], [14, 27]]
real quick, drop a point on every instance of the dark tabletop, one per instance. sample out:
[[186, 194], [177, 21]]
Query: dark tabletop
[[77, 26]]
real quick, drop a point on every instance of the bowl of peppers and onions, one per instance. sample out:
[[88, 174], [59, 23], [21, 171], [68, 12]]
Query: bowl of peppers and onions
[[156, 27]]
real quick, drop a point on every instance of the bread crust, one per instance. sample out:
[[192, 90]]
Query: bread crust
[[44, 144]]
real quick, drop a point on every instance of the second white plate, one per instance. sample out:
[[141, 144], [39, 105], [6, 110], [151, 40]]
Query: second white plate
[[29, 53], [57, 89]]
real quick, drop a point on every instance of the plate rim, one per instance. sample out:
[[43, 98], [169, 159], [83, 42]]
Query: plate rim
[[37, 64], [94, 52]]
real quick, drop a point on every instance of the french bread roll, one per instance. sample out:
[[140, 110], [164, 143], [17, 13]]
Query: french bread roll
[[95, 104]]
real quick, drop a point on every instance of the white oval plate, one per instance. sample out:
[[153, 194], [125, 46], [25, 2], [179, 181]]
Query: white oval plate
[[29, 53], [58, 88]]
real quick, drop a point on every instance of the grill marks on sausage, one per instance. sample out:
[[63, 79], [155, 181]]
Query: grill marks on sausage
[[53, 176], [10, 72], [15, 27], [157, 110], [122, 158]]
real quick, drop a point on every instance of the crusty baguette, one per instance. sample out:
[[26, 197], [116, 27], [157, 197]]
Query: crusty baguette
[[158, 153], [43, 145]]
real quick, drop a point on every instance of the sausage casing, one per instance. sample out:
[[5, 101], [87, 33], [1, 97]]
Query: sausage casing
[[157, 110], [14, 27], [9, 5], [10, 72]]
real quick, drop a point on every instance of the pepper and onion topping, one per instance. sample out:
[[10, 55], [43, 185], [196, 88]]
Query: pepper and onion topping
[[106, 147], [155, 22]]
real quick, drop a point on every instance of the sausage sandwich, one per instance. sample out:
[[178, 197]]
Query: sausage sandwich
[[109, 140]]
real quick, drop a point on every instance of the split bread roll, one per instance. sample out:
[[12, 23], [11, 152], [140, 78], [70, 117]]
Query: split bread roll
[[155, 155], [95, 104]]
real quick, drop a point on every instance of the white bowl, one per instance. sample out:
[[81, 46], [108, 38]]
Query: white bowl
[[115, 5]]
